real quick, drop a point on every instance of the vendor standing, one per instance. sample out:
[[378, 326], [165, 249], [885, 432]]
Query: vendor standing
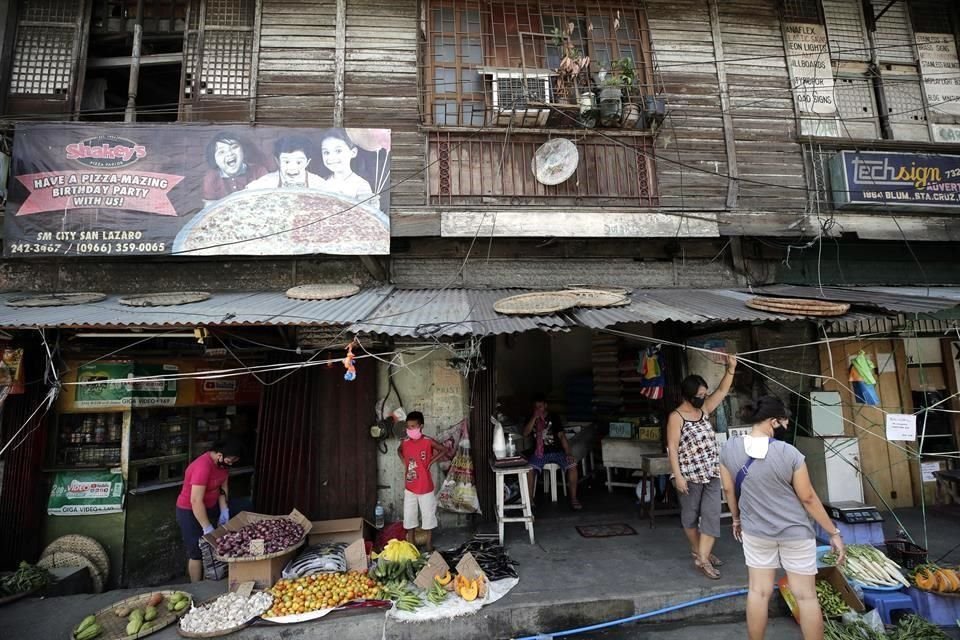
[[204, 486]]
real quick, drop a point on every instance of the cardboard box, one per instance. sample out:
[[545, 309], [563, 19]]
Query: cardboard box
[[835, 578], [348, 530], [262, 572]]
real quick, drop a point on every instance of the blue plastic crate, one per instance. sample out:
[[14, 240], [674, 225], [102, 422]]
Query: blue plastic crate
[[942, 611], [863, 533]]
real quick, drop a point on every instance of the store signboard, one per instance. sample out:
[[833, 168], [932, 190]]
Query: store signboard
[[895, 180], [81, 493], [941, 71], [811, 73], [241, 390], [113, 384], [82, 189]]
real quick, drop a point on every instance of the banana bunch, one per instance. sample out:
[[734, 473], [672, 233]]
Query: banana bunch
[[399, 551], [409, 602], [437, 593]]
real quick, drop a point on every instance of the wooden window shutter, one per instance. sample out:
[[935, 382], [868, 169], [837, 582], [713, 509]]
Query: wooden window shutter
[[49, 44], [845, 29], [219, 60], [894, 36]]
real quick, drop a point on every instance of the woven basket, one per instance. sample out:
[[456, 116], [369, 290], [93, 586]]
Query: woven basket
[[535, 304], [115, 628], [73, 559], [55, 299], [599, 298], [214, 634], [85, 546], [799, 306], [248, 518], [166, 299], [322, 291]]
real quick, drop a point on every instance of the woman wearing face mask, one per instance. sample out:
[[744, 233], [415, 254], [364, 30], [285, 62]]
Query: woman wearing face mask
[[695, 462], [772, 500], [204, 485]]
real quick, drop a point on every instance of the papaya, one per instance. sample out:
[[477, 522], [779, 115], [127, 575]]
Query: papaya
[[150, 613], [925, 580], [445, 579], [952, 579]]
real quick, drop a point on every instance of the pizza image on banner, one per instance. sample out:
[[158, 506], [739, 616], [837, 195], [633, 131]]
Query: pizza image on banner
[[154, 189]]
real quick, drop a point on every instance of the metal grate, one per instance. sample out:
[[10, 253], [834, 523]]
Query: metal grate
[[930, 17], [50, 11], [801, 10], [230, 13], [904, 99], [43, 62], [894, 36], [845, 28], [857, 107]]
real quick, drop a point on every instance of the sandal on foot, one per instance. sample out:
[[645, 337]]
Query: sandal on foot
[[575, 504], [707, 569], [714, 560]]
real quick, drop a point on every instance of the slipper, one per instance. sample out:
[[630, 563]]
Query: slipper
[[576, 505], [707, 570], [714, 560]]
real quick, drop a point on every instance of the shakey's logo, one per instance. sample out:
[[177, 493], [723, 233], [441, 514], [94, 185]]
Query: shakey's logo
[[105, 152]]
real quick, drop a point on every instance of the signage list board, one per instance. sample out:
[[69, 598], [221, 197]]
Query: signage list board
[[811, 73], [940, 69], [895, 180], [81, 493]]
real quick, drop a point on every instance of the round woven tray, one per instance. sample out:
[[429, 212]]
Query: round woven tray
[[322, 291], [115, 628], [214, 634], [799, 306], [85, 546], [166, 299], [55, 299], [533, 304], [597, 287], [73, 559], [599, 298]]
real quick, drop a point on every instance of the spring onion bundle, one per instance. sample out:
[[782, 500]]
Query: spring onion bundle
[[869, 567]]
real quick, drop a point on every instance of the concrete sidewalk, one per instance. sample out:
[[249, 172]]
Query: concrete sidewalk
[[566, 581]]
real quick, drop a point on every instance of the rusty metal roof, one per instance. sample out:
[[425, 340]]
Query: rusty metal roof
[[447, 313], [453, 312], [226, 308]]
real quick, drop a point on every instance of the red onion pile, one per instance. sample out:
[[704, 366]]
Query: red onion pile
[[277, 535]]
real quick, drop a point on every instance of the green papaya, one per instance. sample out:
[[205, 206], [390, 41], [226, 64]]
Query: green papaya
[[150, 613], [84, 624]]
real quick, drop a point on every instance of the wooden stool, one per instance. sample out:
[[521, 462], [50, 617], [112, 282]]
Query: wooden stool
[[525, 505]]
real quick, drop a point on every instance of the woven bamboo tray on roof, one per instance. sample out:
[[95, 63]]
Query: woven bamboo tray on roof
[[799, 306], [115, 627], [538, 303]]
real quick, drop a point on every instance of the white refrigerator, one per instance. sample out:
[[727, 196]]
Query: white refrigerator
[[834, 466]]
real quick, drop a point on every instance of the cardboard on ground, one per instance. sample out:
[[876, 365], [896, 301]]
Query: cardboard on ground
[[436, 566]]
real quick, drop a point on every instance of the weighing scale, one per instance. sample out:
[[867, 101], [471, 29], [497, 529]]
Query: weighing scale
[[853, 512]]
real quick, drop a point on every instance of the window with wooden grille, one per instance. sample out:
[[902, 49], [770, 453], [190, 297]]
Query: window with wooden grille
[[478, 57], [888, 98], [220, 62], [46, 50]]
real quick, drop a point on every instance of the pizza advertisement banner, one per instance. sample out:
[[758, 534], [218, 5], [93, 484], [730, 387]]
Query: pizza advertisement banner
[[80, 189]]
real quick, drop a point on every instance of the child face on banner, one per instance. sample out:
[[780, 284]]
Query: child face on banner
[[293, 167], [337, 155], [229, 157]]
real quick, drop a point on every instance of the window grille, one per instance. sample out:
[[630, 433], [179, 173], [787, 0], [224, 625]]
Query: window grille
[[801, 10], [930, 17], [894, 38], [224, 66], [856, 107], [845, 30], [48, 11], [905, 107], [43, 61]]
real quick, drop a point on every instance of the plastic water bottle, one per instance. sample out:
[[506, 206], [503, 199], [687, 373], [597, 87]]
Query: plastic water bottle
[[378, 515]]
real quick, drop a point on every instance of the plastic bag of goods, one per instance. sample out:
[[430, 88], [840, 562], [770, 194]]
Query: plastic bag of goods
[[320, 558], [213, 569], [458, 492]]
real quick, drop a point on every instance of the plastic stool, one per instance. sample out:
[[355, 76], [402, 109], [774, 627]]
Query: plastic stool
[[551, 483], [886, 602]]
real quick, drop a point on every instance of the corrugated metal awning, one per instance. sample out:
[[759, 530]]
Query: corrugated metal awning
[[448, 313], [226, 308], [895, 299]]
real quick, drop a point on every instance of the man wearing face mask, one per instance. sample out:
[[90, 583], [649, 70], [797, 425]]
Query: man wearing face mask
[[418, 453], [205, 484], [695, 462], [772, 502]]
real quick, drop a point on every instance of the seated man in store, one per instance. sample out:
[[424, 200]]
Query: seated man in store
[[550, 446]]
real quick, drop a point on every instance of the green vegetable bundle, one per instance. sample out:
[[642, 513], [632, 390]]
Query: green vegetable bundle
[[911, 627], [26, 578], [831, 602]]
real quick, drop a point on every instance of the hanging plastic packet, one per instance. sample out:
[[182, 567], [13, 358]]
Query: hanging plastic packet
[[351, 373]]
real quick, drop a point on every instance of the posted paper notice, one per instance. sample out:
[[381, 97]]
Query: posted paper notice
[[901, 427]]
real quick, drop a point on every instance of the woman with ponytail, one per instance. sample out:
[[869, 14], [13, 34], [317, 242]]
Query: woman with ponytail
[[772, 501], [695, 462]]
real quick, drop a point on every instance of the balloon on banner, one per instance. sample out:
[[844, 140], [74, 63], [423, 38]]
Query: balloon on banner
[[370, 139]]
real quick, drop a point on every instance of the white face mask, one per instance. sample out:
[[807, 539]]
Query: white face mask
[[756, 447]]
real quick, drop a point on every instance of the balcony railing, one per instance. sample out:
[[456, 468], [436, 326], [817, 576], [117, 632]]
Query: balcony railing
[[467, 168]]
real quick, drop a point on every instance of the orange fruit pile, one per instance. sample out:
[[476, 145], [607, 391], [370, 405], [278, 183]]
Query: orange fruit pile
[[320, 591]]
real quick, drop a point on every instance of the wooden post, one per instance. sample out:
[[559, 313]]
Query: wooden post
[[131, 113], [339, 63], [729, 140]]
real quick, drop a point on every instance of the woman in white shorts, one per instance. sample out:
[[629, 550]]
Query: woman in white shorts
[[772, 501]]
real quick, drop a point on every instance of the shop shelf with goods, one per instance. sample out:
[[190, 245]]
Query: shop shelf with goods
[[159, 444], [91, 440]]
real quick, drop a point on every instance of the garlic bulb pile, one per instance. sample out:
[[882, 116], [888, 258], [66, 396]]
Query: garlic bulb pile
[[227, 611]]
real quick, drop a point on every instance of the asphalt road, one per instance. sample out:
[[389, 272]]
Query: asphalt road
[[777, 629]]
